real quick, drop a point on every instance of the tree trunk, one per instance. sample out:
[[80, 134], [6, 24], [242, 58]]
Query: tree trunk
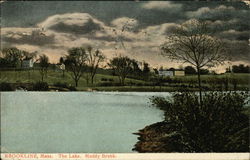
[[199, 82], [120, 79], [87, 79], [123, 79], [21, 64], [92, 79], [76, 82], [42, 76]]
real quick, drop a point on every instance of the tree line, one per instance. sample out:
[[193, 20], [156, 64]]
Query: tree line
[[79, 61]]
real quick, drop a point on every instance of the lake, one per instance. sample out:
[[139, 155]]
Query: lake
[[53, 122]]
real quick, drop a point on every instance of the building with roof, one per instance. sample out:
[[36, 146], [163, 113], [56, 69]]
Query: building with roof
[[27, 63], [171, 73]]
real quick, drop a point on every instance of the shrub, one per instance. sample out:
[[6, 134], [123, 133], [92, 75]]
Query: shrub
[[218, 125], [104, 79], [5, 87], [111, 80], [65, 85], [41, 86], [106, 84], [72, 88], [107, 79], [62, 85]]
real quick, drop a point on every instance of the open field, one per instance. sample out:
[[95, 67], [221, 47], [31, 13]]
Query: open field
[[105, 82]]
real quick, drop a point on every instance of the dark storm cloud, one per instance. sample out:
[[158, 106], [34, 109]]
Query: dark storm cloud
[[219, 26], [234, 35], [34, 38], [109, 38], [27, 13], [76, 29], [79, 22], [232, 16], [238, 50]]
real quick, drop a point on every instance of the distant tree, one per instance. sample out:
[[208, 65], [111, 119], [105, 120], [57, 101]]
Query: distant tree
[[12, 56], [3, 63], [193, 43], [189, 70], [94, 58], [122, 66], [15, 57], [146, 70], [241, 68], [161, 68], [204, 71], [43, 65], [61, 60], [136, 70], [228, 70], [156, 71], [171, 69], [75, 62]]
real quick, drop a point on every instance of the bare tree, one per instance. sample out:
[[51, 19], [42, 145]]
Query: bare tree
[[122, 67], [75, 62], [43, 64], [193, 43], [94, 58]]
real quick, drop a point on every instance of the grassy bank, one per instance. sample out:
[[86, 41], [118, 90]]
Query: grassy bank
[[52, 77], [107, 82]]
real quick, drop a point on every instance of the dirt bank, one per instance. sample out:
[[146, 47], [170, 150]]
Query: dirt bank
[[158, 137]]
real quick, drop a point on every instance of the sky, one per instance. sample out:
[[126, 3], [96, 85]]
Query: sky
[[128, 28]]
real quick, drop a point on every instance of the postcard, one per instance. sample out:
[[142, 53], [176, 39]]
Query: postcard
[[125, 80]]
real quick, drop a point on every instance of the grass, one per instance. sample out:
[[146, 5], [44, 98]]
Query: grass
[[243, 78], [53, 77]]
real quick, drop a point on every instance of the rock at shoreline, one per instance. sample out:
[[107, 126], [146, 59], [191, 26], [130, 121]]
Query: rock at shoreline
[[156, 138]]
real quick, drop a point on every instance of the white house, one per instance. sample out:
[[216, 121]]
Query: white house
[[27, 63], [166, 73], [170, 73], [62, 67], [179, 73]]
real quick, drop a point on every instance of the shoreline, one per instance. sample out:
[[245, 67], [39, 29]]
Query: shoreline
[[126, 89], [154, 139]]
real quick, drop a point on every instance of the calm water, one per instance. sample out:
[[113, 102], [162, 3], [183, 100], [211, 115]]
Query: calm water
[[74, 121]]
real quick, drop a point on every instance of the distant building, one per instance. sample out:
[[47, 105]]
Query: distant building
[[62, 66], [171, 73], [166, 73], [59, 67], [28, 63], [179, 73]]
